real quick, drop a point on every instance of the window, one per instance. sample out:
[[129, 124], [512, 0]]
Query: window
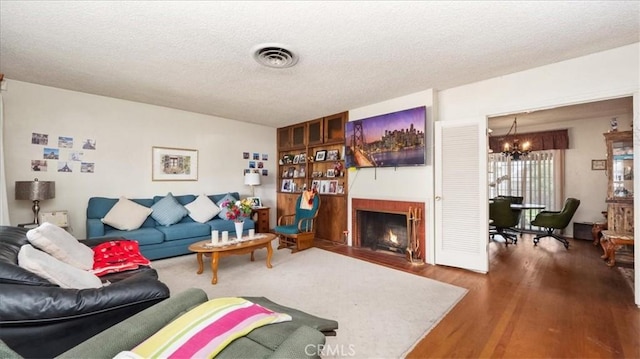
[[537, 177]]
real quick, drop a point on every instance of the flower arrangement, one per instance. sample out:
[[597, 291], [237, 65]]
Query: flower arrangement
[[237, 210]]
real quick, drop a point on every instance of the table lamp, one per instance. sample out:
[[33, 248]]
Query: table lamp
[[35, 191], [252, 179]]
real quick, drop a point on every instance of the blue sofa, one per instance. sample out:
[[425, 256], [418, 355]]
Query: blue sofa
[[157, 241]]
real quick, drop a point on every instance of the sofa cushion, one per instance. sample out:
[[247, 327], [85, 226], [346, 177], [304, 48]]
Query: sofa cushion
[[143, 235], [168, 211], [61, 245], [207, 329], [202, 209], [13, 238], [185, 230], [126, 215], [58, 272], [223, 209]]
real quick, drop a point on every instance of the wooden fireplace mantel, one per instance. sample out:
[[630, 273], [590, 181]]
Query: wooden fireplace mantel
[[387, 206]]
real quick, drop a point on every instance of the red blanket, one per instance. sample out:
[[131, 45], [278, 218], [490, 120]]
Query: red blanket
[[117, 256]]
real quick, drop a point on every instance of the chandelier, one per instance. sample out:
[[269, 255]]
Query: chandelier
[[513, 149]]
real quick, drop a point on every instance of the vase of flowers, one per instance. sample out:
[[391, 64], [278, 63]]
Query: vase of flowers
[[238, 211]]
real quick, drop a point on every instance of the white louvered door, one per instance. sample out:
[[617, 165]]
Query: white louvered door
[[461, 203]]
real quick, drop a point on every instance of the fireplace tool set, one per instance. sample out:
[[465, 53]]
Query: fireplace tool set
[[413, 245]]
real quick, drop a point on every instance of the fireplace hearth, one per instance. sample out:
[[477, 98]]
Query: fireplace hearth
[[389, 227]]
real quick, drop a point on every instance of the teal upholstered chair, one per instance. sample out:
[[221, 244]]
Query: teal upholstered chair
[[551, 220], [503, 219], [298, 230]]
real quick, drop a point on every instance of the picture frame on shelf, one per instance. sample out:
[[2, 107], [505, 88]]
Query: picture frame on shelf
[[303, 158], [598, 165], [323, 187], [315, 184], [296, 159], [340, 188], [255, 202], [331, 172], [321, 155], [174, 164], [287, 159], [332, 187], [286, 185], [333, 155]]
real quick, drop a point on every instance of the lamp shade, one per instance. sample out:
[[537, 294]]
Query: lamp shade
[[35, 190], [252, 179]]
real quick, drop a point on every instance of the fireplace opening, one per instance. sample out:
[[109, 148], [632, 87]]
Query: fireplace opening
[[389, 227], [383, 231]]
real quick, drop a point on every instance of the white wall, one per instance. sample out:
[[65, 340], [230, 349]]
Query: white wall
[[124, 132], [402, 183]]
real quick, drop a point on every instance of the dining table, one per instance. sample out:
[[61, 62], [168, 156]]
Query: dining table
[[527, 206]]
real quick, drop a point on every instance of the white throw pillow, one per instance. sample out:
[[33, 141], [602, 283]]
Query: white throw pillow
[[202, 209], [57, 272], [62, 245], [126, 215]]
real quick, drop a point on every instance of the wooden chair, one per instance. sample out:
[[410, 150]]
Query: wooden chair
[[298, 230]]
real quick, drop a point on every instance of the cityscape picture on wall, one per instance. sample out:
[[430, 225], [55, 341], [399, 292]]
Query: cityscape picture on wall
[[391, 140]]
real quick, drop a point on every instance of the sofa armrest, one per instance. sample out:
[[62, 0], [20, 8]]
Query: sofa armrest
[[305, 342], [30, 305], [95, 228], [137, 328]]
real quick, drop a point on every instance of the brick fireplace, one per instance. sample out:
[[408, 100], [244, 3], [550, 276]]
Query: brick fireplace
[[390, 227]]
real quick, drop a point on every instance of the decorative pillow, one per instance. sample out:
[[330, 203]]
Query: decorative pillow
[[202, 209], [168, 210], [224, 210], [60, 273], [205, 330], [126, 215], [61, 245]]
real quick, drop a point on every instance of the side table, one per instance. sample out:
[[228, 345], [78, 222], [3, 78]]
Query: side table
[[262, 221]]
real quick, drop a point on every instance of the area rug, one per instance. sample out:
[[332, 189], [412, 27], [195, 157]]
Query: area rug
[[382, 312]]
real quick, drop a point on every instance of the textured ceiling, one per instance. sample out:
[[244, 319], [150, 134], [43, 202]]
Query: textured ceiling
[[196, 56]]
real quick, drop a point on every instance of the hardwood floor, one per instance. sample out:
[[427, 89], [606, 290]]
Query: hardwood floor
[[536, 302]]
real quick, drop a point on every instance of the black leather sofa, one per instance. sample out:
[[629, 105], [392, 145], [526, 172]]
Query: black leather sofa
[[39, 319]]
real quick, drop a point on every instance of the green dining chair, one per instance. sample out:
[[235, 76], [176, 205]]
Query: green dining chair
[[504, 219], [552, 220]]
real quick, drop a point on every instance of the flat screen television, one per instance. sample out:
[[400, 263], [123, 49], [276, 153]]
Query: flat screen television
[[391, 140]]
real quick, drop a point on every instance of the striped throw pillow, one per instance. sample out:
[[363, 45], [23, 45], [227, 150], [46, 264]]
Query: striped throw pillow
[[206, 330]]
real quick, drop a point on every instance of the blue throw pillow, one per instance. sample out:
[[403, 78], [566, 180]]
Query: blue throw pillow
[[223, 209], [168, 211]]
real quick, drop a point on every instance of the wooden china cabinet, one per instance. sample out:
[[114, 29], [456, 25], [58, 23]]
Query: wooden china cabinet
[[312, 153], [620, 181], [619, 195]]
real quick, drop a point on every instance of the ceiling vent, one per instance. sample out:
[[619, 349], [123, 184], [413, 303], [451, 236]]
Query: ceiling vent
[[274, 55]]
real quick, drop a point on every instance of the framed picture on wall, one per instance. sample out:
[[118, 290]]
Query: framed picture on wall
[[174, 164], [597, 165]]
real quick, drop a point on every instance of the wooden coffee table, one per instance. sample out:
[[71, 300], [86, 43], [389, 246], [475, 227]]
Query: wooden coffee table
[[263, 240]]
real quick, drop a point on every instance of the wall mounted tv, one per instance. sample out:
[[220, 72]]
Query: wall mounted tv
[[392, 140]]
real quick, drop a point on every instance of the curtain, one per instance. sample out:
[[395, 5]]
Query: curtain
[[4, 203], [539, 141]]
